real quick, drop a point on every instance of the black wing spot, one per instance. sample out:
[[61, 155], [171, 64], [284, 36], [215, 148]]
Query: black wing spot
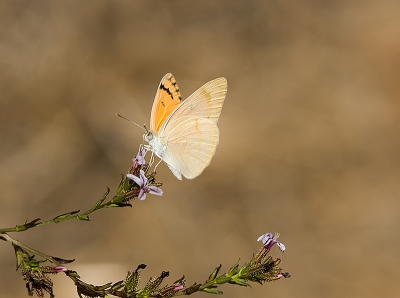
[[166, 90]]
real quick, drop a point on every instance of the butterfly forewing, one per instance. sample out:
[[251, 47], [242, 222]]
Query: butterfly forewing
[[168, 97], [206, 102]]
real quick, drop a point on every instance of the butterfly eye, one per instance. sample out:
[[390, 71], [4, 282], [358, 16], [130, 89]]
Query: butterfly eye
[[148, 136]]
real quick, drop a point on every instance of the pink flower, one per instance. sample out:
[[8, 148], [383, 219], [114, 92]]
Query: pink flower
[[178, 287], [144, 186], [269, 240], [139, 160], [60, 269]]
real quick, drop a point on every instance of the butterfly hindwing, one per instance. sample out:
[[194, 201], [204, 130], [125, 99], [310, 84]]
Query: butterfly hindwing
[[168, 97], [191, 142]]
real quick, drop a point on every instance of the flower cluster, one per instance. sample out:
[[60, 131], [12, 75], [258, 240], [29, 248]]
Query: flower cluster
[[146, 184], [138, 182], [261, 268], [35, 275], [38, 280], [129, 286]]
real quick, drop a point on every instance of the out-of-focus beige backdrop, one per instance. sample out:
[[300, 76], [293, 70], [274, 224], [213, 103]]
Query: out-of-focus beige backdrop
[[309, 147]]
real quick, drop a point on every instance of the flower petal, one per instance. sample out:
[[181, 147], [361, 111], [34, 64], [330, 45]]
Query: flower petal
[[281, 246], [143, 177], [266, 238], [142, 195], [155, 190], [136, 179], [269, 240], [139, 158]]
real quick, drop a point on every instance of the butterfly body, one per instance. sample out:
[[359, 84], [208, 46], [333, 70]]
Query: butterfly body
[[184, 134]]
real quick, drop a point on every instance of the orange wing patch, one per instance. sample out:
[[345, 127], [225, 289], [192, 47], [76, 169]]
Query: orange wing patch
[[168, 97]]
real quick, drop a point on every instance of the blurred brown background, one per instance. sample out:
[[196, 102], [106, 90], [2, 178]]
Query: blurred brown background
[[309, 147]]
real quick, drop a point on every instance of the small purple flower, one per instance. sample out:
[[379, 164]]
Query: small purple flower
[[144, 187], [139, 160], [269, 240]]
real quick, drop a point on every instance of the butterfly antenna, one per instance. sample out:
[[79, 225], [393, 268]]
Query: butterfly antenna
[[144, 125], [131, 122]]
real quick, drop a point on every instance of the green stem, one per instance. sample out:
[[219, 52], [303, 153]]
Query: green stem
[[64, 217], [31, 250]]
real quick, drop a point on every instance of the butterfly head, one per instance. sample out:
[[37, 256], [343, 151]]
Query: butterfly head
[[148, 136]]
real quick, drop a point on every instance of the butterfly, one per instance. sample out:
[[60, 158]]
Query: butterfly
[[184, 134]]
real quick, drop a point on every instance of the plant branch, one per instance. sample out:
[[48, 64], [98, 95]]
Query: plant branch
[[73, 215], [261, 268], [27, 248]]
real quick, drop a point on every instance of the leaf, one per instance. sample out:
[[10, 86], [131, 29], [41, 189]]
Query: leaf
[[244, 270], [73, 274], [240, 282], [116, 205], [26, 225], [102, 199], [234, 269], [127, 185], [65, 215], [31, 223], [63, 261], [104, 287], [121, 183], [213, 291], [83, 217], [214, 274], [193, 288], [117, 285], [223, 279]]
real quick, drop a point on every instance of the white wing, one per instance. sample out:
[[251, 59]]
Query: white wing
[[206, 103], [190, 143]]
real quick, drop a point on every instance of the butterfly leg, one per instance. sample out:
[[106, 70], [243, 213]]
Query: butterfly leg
[[157, 164], [151, 158], [148, 148]]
